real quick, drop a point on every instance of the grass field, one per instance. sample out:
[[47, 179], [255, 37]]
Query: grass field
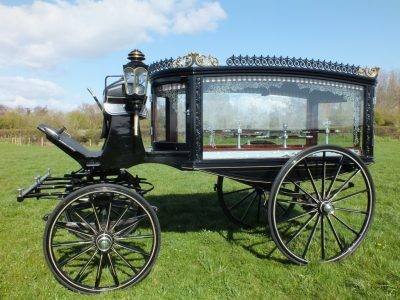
[[202, 254]]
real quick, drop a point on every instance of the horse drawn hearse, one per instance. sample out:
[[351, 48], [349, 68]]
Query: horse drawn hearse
[[288, 139]]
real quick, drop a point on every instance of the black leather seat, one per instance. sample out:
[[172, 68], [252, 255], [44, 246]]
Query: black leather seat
[[69, 145]]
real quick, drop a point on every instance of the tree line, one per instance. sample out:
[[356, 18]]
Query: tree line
[[84, 123]]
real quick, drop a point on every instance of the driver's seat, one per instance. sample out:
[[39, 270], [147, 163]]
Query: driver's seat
[[72, 147]]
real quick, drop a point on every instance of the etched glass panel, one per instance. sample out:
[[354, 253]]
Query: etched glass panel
[[170, 114], [275, 116], [160, 121]]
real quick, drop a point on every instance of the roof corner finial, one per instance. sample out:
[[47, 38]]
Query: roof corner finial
[[368, 72]]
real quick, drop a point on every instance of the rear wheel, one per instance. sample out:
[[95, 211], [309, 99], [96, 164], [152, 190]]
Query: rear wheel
[[244, 204], [100, 238], [333, 209]]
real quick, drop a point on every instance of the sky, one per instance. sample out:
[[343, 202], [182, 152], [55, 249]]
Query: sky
[[51, 51]]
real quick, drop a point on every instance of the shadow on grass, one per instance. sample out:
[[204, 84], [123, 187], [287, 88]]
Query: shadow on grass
[[201, 212]]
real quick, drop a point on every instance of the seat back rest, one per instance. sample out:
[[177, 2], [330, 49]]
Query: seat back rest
[[68, 145]]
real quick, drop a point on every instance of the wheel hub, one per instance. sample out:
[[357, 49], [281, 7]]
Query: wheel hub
[[104, 242], [327, 208]]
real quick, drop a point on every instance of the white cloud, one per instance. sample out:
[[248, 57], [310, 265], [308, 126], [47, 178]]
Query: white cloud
[[43, 34], [30, 92]]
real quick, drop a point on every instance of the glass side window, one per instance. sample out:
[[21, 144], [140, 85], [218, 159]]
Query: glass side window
[[160, 121], [169, 113], [276, 116]]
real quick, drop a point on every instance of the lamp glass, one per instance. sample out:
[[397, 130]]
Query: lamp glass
[[135, 80]]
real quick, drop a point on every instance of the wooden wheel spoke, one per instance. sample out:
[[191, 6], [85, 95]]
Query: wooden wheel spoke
[[72, 243], [295, 202], [120, 218], [349, 196], [99, 271], [345, 225], [66, 261], [84, 221], [128, 237], [298, 216], [132, 249], [323, 174], [135, 270], [112, 270], [108, 216], [72, 227], [280, 206], [311, 236], [125, 230], [259, 207], [328, 192], [322, 238], [311, 179], [335, 233], [351, 210], [304, 191], [248, 208], [298, 232], [344, 184], [96, 216], [241, 200], [83, 269]]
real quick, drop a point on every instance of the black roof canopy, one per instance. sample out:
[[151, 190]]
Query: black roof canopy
[[194, 63]]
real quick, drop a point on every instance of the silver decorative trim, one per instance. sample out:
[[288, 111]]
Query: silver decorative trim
[[300, 63], [368, 72], [193, 59], [267, 78], [171, 87]]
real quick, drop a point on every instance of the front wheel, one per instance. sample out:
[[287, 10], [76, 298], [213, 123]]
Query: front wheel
[[102, 237], [333, 209]]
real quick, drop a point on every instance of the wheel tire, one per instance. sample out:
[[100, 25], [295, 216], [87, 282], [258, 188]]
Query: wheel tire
[[104, 242], [323, 203]]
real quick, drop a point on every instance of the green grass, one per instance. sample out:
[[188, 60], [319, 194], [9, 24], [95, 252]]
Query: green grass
[[202, 254]]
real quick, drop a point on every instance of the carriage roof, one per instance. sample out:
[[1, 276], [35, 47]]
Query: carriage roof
[[197, 64]]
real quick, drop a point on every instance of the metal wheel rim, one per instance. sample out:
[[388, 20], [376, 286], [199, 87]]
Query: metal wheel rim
[[89, 289], [366, 223]]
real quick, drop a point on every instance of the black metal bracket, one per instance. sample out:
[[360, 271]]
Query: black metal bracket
[[41, 186], [49, 187]]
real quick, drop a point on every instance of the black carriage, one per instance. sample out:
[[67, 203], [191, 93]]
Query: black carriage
[[288, 139]]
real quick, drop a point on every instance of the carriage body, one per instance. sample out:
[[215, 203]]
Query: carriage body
[[289, 140], [245, 120]]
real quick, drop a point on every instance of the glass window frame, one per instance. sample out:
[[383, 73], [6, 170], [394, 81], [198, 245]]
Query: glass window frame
[[363, 101], [166, 144]]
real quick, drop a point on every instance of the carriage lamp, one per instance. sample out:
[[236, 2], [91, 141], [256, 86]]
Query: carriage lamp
[[135, 78], [135, 75]]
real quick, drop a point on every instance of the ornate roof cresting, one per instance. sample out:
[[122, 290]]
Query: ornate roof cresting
[[194, 58], [189, 60], [310, 64], [368, 72]]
